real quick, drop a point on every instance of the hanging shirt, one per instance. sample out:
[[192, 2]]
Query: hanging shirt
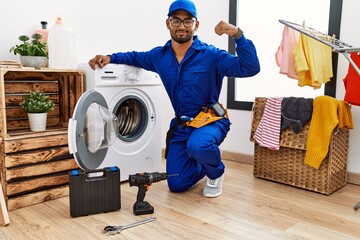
[[285, 54], [313, 61], [352, 82]]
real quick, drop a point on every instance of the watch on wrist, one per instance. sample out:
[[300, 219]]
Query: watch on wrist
[[238, 34]]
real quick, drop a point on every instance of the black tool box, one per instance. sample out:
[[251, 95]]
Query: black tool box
[[95, 191]]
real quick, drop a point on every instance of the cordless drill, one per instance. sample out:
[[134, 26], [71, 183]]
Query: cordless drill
[[143, 181]]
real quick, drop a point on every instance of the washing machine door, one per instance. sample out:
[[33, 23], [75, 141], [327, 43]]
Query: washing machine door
[[91, 130]]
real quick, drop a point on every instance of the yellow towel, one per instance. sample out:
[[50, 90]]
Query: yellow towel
[[323, 121]]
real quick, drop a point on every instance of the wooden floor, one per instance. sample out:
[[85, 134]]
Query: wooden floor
[[249, 208]]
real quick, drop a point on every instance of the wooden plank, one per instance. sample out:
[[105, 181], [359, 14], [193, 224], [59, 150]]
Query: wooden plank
[[43, 71], [41, 169], [3, 130], [72, 91], [13, 145], [2, 168], [14, 100], [37, 183], [76, 90], [29, 75], [26, 87], [79, 90], [37, 156], [37, 197], [17, 112], [24, 135], [4, 215], [24, 124], [64, 100]]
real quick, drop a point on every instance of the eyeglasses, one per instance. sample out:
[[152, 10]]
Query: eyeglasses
[[176, 22]]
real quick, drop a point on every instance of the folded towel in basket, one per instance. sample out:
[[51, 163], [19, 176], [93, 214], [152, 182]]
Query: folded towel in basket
[[267, 133], [326, 114]]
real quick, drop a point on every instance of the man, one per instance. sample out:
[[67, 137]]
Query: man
[[192, 73]]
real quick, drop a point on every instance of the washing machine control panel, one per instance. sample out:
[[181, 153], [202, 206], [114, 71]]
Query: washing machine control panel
[[124, 75], [134, 77]]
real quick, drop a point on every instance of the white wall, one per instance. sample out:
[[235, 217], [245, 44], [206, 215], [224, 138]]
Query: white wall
[[350, 33], [103, 27]]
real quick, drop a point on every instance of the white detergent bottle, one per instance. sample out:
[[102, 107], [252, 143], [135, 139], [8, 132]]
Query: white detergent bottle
[[61, 46]]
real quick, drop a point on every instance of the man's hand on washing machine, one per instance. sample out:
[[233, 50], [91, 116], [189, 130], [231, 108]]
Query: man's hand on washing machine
[[100, 60]]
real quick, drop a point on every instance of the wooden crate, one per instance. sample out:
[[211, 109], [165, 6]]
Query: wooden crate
[[287, 166], [34, 165]]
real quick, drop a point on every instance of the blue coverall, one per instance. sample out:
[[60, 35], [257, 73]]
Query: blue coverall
[[194, 83]]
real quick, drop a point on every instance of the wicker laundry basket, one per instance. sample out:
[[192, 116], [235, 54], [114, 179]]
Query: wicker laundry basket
[[287, 166]]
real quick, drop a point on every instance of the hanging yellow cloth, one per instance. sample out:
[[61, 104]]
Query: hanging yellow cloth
[[345, 117], [313, 61]]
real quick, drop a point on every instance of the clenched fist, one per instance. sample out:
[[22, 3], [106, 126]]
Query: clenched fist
[[227, 28]]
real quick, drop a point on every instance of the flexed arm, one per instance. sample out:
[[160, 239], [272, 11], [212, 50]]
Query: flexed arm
[[226, 28], [246, 62]]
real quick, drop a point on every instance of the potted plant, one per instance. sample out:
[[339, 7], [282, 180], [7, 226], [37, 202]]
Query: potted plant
[[33, 52], [37, 106]]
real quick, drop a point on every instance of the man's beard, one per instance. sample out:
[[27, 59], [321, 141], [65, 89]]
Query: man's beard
[[180, 40]]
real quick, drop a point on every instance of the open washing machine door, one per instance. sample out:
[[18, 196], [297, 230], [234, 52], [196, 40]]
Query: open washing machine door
[[91, 130]]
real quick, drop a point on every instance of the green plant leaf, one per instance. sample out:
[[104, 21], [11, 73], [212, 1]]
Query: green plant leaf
[[36, 102], [30, 48]]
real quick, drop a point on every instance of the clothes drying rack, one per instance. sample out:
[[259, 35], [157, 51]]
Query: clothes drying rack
[[336, 45]]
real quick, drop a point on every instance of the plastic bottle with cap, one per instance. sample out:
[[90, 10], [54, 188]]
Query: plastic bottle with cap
[[61, 46], [43, 31]]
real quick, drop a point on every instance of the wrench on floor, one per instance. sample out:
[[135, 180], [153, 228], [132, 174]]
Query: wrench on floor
[[117, 229]]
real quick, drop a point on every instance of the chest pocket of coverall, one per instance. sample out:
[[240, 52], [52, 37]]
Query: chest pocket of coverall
[[196, 83]]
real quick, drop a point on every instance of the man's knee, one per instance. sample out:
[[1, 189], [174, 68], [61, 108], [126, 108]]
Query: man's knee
[[178, 185], [197, 148]]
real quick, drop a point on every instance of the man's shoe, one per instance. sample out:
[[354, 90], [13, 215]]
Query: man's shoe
[[213, 187]]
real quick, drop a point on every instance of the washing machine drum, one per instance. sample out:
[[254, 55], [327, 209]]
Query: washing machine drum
[[91, 130]]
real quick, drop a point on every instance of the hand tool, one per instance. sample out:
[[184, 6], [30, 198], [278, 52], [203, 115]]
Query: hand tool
[[111, 230], [143, 181]]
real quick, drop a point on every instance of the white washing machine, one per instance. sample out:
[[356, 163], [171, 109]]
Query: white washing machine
[[129, 134]]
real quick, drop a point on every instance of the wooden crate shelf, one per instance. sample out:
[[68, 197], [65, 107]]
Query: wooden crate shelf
[[34, 165]]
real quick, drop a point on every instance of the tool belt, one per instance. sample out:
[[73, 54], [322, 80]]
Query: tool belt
[[207, 115]]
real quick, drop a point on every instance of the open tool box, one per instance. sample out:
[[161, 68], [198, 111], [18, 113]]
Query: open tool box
[[95, 191]]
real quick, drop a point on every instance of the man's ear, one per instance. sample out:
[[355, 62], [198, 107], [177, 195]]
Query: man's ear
[[196, 25], [168, 23]]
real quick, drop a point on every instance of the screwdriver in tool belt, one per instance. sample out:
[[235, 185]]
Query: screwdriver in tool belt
[[186, 119]]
